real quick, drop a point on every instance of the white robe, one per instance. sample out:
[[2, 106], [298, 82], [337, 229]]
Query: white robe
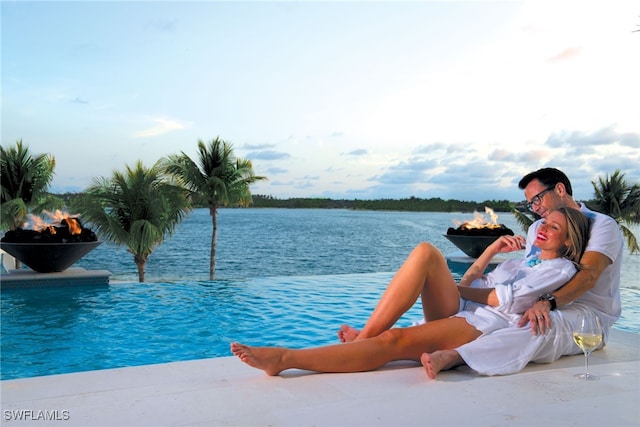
[[517, 287]]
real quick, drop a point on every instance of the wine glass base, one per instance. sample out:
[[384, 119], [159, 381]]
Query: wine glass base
[[587, 377]]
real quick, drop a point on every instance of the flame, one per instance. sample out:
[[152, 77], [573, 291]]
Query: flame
[[74, 225], [479, 221], [38, 224]]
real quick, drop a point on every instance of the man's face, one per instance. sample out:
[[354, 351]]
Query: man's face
[[542, 199]]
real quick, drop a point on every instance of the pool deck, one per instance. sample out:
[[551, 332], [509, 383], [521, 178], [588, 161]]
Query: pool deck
[[225, 392]]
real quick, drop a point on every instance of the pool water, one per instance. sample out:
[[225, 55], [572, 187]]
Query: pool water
[[60, 330], [71, 329]]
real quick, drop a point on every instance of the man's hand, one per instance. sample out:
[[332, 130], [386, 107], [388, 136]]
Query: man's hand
[[538, 318]]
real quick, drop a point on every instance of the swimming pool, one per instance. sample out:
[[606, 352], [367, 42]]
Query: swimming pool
[[261, 296], [72, 329]]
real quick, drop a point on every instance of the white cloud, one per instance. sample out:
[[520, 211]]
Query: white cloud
[[163, 126]]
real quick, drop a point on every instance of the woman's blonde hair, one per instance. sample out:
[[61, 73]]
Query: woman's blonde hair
[[578, 230]]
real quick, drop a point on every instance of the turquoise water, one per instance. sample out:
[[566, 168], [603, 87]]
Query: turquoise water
[[284, 277]]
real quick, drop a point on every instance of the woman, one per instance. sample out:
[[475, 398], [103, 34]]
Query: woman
[[488, 302]]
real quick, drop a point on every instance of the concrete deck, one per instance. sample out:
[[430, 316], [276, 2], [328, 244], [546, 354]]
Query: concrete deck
[[225, 392]]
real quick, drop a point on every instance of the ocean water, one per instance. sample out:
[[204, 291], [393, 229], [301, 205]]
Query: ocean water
[[283, 277], [284, 242]]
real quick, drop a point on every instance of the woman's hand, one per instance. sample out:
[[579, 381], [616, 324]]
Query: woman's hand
[[506, 244]]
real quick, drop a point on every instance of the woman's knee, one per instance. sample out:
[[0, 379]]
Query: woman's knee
[[391, 337], [427, 251], [402, 343]]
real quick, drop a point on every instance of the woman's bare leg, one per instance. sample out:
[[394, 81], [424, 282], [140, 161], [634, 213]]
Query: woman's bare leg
[[363, 354], [440, 360], [424, 274]]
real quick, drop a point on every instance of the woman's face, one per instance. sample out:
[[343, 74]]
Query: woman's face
[[552, 233]]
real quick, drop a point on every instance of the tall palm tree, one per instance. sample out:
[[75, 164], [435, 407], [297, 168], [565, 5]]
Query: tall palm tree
[[621, 201], [25, 179], [137, 209], [218, 176]]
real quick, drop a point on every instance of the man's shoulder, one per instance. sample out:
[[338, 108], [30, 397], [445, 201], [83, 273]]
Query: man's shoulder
[[598, 218]]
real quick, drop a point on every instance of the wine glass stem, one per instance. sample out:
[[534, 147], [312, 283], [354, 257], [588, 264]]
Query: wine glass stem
[[586, 363]]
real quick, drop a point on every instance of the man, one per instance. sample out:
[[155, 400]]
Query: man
[[596, 288]]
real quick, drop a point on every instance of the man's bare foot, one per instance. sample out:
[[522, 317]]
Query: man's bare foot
[[266, 358], [439, 360], [347, 333]]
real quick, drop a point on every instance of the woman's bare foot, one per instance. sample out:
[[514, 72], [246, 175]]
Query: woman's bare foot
[[266, 358], [439, 361], [347, 333]]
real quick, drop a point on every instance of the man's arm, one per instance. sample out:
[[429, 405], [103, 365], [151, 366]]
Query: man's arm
[[592, 266]]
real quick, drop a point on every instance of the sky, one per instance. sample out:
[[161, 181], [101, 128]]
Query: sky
[[346, 100]]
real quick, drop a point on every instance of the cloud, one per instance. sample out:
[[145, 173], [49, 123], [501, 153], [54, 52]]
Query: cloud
[[162, 25], [358, 152], [410, 172], [267, 155], [501, 155], [257, 146], [566, 55], [163, 126], [430, 148], [601, 137], [276, 171], [78, 100], [630, 139]]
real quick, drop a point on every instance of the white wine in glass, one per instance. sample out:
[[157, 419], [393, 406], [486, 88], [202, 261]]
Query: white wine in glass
[[588, 336]]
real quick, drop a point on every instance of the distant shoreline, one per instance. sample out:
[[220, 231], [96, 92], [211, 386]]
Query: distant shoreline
[[410, 204]]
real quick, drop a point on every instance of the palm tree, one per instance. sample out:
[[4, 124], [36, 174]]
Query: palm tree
[[524, 217], [25, 179], [137, 209], [621, 201], [218, 176]]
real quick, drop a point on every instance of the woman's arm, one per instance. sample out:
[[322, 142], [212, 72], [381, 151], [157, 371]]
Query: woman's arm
[[504, 244], [482, 295], [518, 296], [518, 292]]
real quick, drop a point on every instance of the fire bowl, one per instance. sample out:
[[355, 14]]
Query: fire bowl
[[49, 257], [472, 246]]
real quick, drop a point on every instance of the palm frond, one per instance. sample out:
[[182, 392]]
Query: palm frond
[[26, 177], [620, 200], [137, 208]]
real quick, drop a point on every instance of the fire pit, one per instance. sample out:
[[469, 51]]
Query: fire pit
[[50, 248], [473, 237]]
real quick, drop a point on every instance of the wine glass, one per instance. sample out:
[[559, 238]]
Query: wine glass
[[588, 336]]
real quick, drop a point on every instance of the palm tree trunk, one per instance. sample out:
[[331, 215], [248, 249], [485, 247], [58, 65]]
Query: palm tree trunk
[[213, 211], [140, 263]]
